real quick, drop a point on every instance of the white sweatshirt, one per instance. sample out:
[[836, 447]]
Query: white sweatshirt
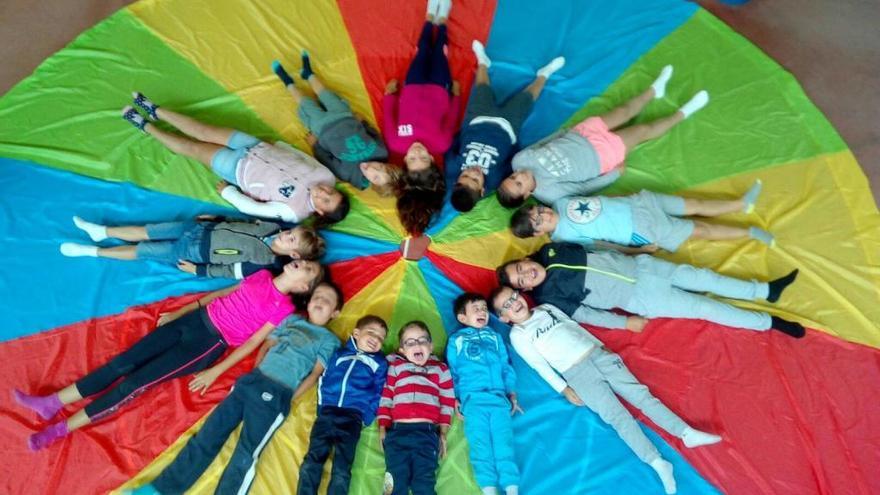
[[549, 341]]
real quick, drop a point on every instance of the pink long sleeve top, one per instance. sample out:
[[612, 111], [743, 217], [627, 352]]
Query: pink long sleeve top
[[420, 112]]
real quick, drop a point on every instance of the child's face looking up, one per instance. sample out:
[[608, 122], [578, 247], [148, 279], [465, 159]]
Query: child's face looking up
[[476, 314], [288, 242], [322, 305], [511, 307], [370, 337], [416, 345]]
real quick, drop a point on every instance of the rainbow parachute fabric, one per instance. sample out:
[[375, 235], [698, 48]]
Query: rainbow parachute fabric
[[797, 416]]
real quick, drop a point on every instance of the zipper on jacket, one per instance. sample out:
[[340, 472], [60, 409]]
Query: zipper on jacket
[[590, 269], [345, 381]]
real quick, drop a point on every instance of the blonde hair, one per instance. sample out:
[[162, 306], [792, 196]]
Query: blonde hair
[[395, 174]]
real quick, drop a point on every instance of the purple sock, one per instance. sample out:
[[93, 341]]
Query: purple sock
[[42, 439], [46, 406]]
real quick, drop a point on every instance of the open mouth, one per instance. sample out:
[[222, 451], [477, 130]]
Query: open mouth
[[482, 320], [418, 355]]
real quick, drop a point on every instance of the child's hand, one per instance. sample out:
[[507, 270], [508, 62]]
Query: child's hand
[[635, 323], [203, 381], [186, 266], [391, 87], [572, 396], [221, 185], [458, 413], [207, 218], [311, 139], [382, 439], [649, 248], [514, 405], [456, 88], [164, 318], [442, 445]]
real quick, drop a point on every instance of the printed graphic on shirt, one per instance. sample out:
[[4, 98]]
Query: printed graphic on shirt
[[405, 130], [583, 210], [357, 149], [480, 155], [286, 190], [266, 396], [469, 345], [545, 327], [556, 164]]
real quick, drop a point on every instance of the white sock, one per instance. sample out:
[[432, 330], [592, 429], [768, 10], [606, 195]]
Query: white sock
[[664, 471], [97, 232], [511, 490], [659, 84], [762, 235], [432, 7], [489, 490], [443, 8], [696, 438], [698, 101], [72, 249], [480, 52], [554, 65]]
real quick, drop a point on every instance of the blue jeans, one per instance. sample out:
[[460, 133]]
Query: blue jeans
[[173, 241], [225, 160], [411, 451]]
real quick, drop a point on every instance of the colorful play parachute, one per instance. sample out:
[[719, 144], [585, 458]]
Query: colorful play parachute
[[797, 416]]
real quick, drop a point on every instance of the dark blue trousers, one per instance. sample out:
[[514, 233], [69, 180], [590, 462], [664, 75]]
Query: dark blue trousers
[[262, 404], [411, 456], [335, 428], [430, 65]]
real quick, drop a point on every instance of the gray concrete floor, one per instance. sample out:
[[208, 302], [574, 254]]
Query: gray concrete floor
[[831, 46]]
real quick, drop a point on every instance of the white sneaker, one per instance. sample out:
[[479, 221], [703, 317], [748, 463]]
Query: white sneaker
[[388, 485], [443, 9]]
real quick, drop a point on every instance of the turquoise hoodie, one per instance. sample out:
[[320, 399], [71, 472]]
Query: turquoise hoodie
[[479, 362]]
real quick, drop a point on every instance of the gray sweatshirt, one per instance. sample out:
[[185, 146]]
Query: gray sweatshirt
[[564, 164], [237, 249]]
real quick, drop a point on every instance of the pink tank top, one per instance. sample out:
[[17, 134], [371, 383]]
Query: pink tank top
[[239, 314]]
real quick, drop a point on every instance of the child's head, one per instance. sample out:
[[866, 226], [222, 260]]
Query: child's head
[[471, 310], [524, 274], [533, 221], [383, 177], [509, 305], [369, 333], [417, 157], [325, 303], [420, 196], [468, 189], [516, 188], [415, 342], [330, 204], [301, 276], [299, 243]]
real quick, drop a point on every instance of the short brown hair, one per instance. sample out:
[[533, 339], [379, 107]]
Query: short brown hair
[[313, 245], [369, 320], [409, 324], [395, 175]]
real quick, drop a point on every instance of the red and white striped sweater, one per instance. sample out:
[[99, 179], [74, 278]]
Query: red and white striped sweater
[[415, 392]]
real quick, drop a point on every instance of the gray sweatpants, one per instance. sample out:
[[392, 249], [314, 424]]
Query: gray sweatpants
[[667, 290], [598, 378]]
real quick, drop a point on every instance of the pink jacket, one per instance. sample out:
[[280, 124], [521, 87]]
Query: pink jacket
[[421, 112]]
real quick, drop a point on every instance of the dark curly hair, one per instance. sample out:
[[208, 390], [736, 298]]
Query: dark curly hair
[[420, 196]]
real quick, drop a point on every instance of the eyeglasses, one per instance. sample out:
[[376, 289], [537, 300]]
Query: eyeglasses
[[505, 306], [415, 342]]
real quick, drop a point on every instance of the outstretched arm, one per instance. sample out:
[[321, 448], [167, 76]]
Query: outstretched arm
[[247, 205], [309, 381], [204, 379], [203, 301], [648, 248]]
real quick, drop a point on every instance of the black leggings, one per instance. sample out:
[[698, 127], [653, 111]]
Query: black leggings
[[186, 345], [430, 65]]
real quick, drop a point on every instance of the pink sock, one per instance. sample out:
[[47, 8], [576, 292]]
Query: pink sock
[[43, 439], [46, 406]]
